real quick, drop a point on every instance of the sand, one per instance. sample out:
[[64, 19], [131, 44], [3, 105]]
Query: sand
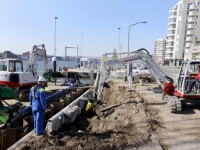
[[128, 124]]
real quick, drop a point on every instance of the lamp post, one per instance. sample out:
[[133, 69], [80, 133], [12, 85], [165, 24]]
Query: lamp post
[[129, 31], [55, 38], [81, 44], [129, 65], [119, 40]]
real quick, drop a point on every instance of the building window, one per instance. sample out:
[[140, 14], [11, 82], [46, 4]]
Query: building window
[[198, 3], [197, 10], [179, 24], [181, 6], [195, 23], [180, 12], [197, 16]]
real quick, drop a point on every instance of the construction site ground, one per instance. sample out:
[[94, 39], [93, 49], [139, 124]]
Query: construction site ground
[[138, 120]]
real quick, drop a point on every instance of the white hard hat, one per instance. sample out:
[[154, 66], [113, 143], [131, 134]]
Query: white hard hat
[[41, 78]]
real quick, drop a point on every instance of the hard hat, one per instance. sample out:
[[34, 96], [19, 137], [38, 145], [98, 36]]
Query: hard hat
[[41, 78]]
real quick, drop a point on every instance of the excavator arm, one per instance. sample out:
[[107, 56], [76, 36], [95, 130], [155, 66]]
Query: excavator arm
[[142, 55], [32, 65]]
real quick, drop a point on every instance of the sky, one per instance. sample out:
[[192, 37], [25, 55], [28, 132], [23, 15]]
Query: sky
[[92, 25]]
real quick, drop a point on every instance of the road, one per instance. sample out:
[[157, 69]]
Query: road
[[180, 131]]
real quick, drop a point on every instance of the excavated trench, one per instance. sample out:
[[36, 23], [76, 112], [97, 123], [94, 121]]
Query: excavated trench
[[123, 120]]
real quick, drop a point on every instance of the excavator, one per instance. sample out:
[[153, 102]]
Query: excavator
[[12, 74], [174, 93]]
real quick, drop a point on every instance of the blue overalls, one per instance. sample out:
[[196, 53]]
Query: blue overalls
[[37, 99]]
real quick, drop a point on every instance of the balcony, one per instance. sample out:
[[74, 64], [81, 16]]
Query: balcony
[[187, 50], [169, 52], [170, 40], [172, 14], [170, 34], [172, 17], [171, 23], [169, 45], [171, 29], [172, 11], [168, 57], [190, 32], [190, 38], [191, 19], [195, 50], [190, 26], [188, 44], [192, 13], [192, 7]]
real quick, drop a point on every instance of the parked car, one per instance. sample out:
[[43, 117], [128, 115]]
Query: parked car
[[141, 71]]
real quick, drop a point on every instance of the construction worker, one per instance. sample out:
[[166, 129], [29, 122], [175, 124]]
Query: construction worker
[[37, 99], [192, 82]]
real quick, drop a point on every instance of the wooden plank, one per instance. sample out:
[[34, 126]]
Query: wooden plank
[[8, 138]]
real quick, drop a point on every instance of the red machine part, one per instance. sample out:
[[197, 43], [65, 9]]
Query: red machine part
[[169, 88]]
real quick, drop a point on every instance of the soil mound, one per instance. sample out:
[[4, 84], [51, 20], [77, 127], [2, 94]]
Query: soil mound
[[122, 121]]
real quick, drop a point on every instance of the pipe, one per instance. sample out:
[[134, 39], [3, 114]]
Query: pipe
[[55, 122], [52, 98]]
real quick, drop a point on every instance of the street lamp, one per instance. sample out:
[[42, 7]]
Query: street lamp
[[55, 38], [119, 40], [81, 44], [129, 32], [129, 65]]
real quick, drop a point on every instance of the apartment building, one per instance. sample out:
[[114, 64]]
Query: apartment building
[[182, 30], [159, 50]]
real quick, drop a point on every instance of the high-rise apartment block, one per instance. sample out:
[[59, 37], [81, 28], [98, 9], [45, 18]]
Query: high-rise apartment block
[[183, 37], [159, 50]]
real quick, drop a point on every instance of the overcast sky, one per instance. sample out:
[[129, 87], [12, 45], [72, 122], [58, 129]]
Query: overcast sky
[[24, 23]]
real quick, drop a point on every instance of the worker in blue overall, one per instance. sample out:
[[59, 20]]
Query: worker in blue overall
[[37, 99]]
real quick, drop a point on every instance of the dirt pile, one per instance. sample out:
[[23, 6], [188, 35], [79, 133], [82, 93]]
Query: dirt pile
[[123, 120]]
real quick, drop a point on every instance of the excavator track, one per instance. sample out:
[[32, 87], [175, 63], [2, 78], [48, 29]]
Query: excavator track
[[174, 104], [178, 106]]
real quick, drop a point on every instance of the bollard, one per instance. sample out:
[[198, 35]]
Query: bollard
[[54, 64]]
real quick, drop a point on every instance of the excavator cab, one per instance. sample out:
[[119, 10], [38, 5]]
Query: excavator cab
[[15, 66], [187, 71]]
